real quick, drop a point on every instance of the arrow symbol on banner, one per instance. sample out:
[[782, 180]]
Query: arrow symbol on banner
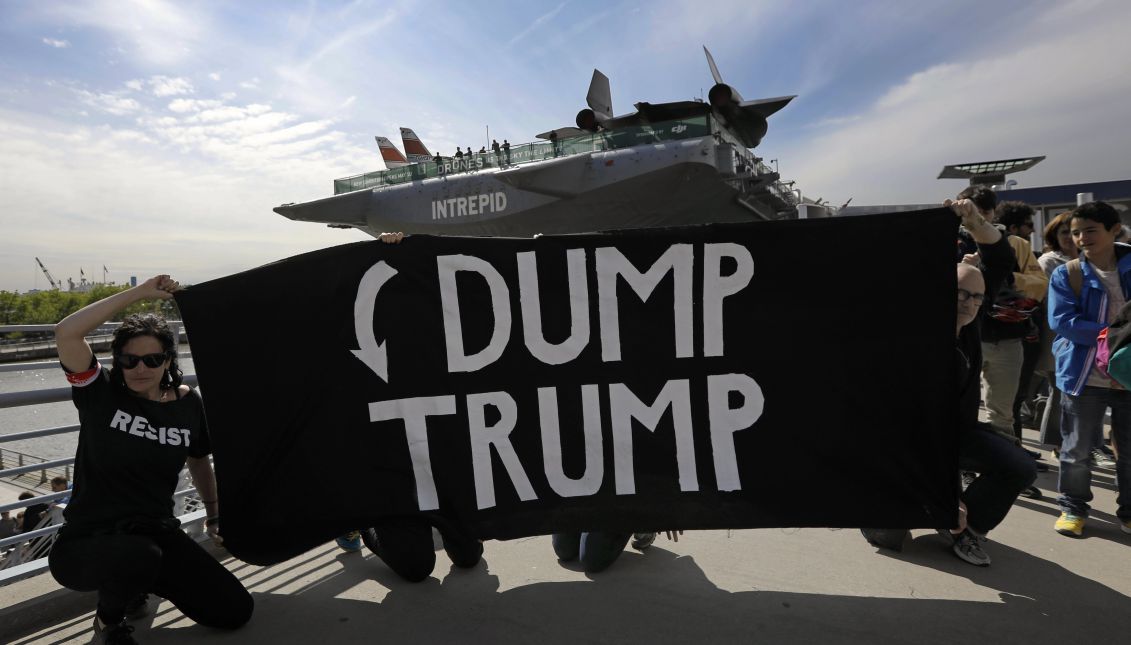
[[369, 350]]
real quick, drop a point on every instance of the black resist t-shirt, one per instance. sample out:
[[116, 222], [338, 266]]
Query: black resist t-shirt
[[131, 451]]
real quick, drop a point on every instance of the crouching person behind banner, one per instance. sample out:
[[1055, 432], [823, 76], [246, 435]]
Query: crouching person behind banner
[[138, 427], [598, 550], [405, 543], [1004, 469]]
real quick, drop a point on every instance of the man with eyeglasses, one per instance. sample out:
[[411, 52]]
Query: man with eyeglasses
[[1004, 469]]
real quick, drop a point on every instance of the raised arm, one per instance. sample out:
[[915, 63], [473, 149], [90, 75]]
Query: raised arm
[[71, 332]]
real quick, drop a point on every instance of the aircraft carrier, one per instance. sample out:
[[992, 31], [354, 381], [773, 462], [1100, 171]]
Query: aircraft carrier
[[666, 164]]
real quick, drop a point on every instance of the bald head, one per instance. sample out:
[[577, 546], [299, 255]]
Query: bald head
[[971, 293]]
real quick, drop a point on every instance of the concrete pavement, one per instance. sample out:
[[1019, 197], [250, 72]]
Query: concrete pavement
[[773, 585]]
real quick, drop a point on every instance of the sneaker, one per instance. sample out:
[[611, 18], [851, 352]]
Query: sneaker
[[139, 607], [369, 537], [120, 634], [968, 478], [968, 547], [641, 541], [1125, 526], [1101, 460], [891, 539], [1032, 492], [1070, 525], [350, 542]]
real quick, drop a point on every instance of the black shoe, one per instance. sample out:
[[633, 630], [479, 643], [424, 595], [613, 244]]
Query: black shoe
[[968, 547], [1042, 467], [1032, 492], [139, 607], [120, 634], [891, 539], [641, 541], [968, 478], [369, 537]]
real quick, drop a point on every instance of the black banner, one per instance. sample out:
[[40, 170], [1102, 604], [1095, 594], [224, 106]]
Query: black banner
[[795, 373]]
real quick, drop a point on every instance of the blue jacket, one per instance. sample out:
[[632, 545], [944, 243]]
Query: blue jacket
[[1077, 321]]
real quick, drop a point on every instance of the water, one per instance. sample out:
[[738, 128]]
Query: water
[[47, 415]]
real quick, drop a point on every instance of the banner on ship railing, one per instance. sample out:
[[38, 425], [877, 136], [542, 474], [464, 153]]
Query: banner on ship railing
[[773, 374]]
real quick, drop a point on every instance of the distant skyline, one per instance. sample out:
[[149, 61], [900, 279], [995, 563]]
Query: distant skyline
[[152, 136]]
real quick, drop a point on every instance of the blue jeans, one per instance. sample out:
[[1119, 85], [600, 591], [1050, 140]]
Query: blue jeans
[[1004, 470], [596, 549], [1081, 428]]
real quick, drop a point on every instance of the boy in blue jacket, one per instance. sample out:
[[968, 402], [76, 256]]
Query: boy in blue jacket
[[1083, 299]]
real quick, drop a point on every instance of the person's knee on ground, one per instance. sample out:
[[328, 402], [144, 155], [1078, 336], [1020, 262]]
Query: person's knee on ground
[[891, 539], [232, 613], [566, 545], [600, 549], [405, 546], [464, 552]]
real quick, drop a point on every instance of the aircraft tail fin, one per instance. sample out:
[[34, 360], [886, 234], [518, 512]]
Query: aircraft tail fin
[[414, 147], [600, 97], [714, 68], [389, 153]]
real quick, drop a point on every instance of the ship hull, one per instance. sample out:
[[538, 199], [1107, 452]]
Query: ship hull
[[668, 184]]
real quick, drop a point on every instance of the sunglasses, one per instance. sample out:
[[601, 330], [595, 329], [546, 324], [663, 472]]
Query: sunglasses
[[130, 361]]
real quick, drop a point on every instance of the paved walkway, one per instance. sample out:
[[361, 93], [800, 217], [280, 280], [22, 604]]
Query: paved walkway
[[774, 586]]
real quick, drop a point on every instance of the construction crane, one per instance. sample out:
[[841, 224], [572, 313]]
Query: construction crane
[[54, 285]]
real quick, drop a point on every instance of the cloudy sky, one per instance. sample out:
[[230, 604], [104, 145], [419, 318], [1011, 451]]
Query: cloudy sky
[[150, 136]]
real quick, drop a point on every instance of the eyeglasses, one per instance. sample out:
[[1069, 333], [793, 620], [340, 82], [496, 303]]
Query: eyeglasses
[[130, 361], [964, 295]]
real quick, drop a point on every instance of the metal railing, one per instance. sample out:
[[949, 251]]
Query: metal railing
[[689, 128], [24, 554]]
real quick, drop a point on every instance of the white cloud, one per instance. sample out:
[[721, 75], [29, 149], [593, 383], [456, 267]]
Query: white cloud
[[154, 32], [214, 76], [252, 84], [1051, 95], [163, 86], [59, 44], [192, 105], [110, 102], [537, 22], [88, 195]]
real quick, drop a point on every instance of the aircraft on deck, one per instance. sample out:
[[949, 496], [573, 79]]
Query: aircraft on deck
[[392, 156], [665, 164], [746, 119], [414, 147]]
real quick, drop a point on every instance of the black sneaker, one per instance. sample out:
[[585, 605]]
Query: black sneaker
[[891, 539], [641, 541], [139, 607], [1032, 492], [120, 634], [968, 547], [968, 478], [369, 538]]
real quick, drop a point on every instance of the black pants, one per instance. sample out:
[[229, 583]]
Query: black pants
[[1004, 470], [405, 545], [120, 567]]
